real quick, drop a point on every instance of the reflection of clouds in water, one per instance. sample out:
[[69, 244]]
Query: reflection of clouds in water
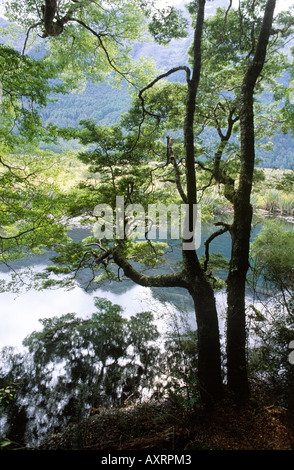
[[20, 314]]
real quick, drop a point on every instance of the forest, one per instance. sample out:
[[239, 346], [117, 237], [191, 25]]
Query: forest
[[146, 150]]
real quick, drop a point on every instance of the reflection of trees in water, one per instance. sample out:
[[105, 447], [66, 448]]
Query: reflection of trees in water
[[74, 365], [102, 361]]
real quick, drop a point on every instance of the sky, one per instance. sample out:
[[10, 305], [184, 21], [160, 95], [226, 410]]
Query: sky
[[1, 6], [281, 4]]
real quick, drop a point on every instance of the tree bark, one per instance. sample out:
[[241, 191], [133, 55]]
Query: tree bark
[[193, 277], [209, 356], [241, 227]]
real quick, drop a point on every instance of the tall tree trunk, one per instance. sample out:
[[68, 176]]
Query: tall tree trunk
[[209, 356], [241, 228], [195, 281], [193, 277]]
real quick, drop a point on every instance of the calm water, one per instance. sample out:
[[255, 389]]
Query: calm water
[[20, 313]]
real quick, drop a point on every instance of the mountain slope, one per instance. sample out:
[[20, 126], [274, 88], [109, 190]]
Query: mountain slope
[[106, 104]]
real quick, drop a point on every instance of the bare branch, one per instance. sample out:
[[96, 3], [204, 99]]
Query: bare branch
[[171, 159], [207, 242], [226, 17], [27, 35], [157, 79], [20, 234]]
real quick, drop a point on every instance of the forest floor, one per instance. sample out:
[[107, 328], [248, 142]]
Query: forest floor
[[260, 425]]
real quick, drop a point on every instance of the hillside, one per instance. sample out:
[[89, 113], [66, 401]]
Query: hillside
[[106, 104]]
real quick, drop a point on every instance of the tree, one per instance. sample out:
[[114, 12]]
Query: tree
[[243, 38], [30, 205], [52, 19], [101, 361], [239, 109], [241, 227], [192, 277]]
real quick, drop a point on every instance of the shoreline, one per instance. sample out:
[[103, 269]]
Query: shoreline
[[76, 222]]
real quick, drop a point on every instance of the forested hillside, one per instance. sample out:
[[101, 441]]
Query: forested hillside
[[106, 104]]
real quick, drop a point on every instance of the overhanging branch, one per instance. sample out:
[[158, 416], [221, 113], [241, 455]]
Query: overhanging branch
[[161, 280], [157, 79]]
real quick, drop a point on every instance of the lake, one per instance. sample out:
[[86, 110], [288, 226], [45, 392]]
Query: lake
[[20, 313]]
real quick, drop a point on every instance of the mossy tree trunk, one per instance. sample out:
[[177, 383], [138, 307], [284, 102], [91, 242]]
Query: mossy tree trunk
[[241, 227]]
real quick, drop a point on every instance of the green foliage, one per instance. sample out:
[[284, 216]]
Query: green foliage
[[30, 203], [225, 49], [146, 252], [81, 200], [69, 257], [7, 395], [272, 323], [269, 361], [86, 40], [129, 158], [273, 255], [26, 84], [167, 24], [102, 360], [31, 207], [286, 183], [113, 159]]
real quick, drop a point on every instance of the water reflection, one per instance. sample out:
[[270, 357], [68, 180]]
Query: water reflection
[[20, 313]]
